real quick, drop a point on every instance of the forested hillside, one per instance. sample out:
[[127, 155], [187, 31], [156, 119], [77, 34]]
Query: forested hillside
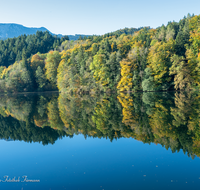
[[124, 31], [166, 58], [13, 49]]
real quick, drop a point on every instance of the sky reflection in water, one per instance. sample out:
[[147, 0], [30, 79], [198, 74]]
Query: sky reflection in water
[[97, 164]]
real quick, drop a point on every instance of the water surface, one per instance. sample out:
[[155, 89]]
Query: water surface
[[124, 141]]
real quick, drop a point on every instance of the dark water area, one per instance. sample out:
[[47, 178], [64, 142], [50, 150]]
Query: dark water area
[[52, 141]]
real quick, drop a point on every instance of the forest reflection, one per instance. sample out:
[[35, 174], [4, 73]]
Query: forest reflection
[[169, 119]]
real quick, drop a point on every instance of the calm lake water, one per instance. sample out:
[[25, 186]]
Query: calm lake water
[[114, 141]]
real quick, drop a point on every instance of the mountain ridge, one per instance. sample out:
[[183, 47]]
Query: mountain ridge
[[11, 30]]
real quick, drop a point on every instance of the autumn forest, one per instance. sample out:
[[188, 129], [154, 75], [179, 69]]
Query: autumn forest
[[162, 59]]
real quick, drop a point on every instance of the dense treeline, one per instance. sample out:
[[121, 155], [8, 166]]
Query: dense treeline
[[13, 49], [17, 73], [170, 119], [39, 71], [123, 31], [166, 58]]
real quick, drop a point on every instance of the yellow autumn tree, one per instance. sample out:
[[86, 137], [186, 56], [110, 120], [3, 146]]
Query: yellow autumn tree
[[126, 81], [159, 60]]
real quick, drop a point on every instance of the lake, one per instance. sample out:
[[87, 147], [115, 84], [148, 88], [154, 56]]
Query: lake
[[52, 141]]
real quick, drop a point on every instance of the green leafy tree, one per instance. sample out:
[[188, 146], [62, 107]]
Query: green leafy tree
[[51, 64], [40, 78]]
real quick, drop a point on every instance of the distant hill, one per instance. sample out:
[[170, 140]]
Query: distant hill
[[125, 31], [15, 30], [76, 36]]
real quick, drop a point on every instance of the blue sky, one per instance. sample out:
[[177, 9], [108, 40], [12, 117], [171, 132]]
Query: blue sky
[[94, 17]]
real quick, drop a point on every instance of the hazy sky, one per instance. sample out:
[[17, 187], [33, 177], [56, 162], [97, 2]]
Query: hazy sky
[[94, 17]]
